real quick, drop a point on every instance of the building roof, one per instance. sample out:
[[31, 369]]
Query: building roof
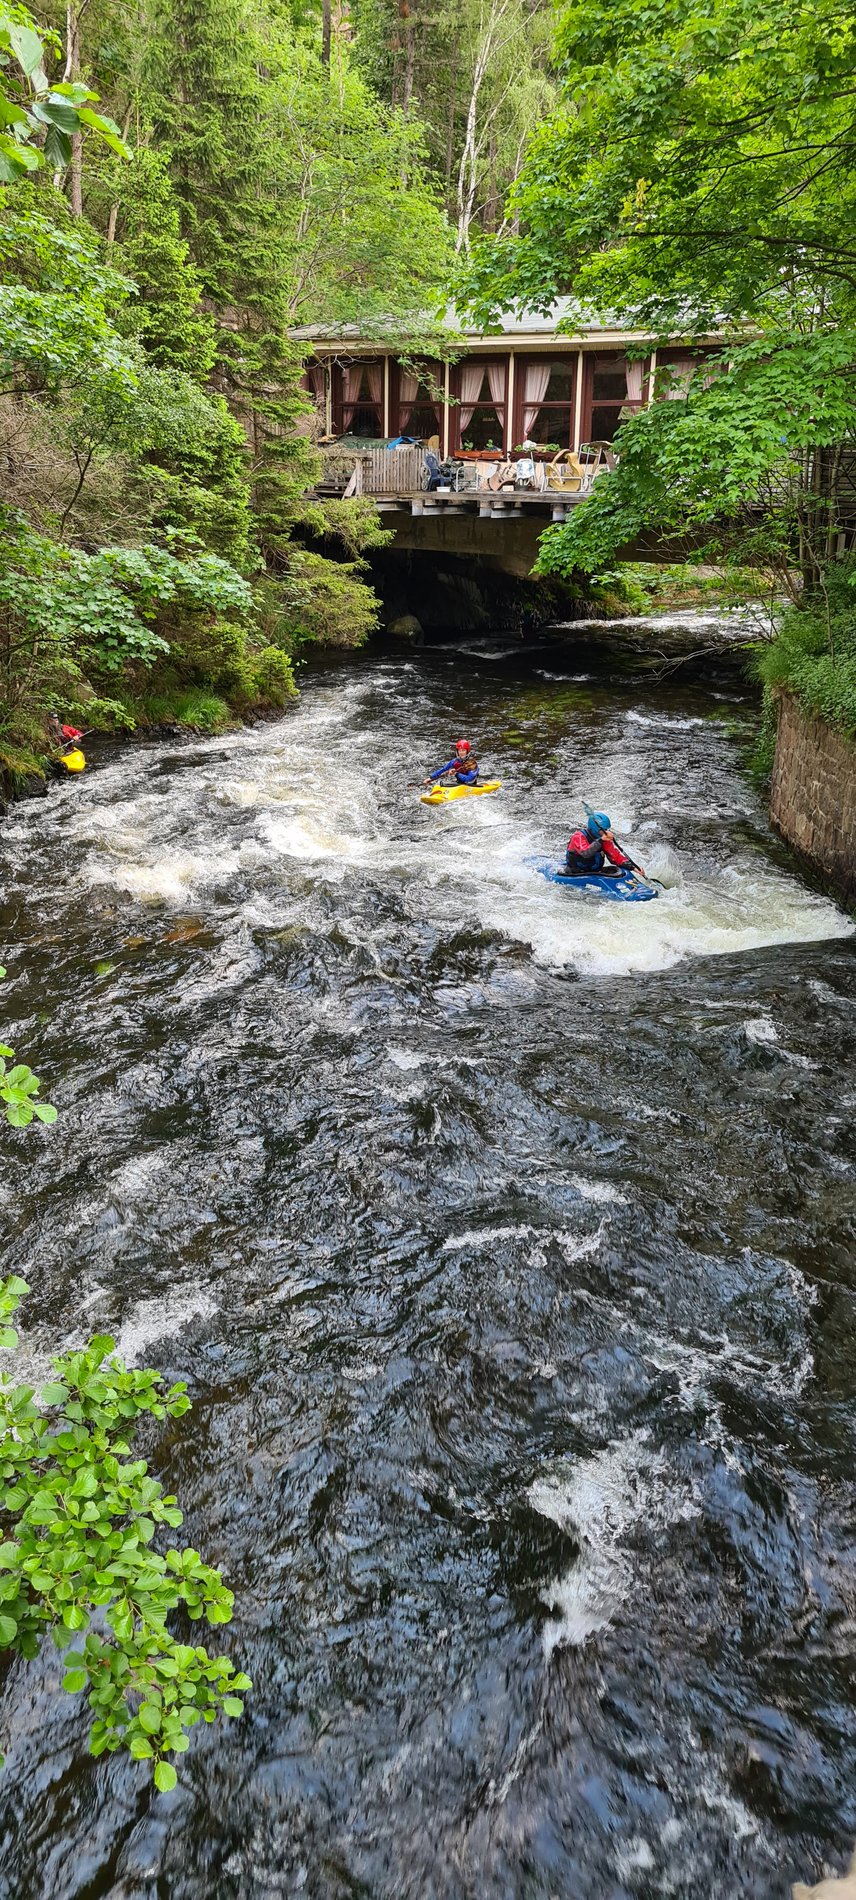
[[521, 323]]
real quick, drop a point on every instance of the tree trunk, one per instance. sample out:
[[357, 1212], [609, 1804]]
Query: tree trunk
[[73, 15], [491, 203], [325, 34], [409, 63]]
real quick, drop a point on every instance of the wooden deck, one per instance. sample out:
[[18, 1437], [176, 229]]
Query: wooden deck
[[395, 480], [510, 504]]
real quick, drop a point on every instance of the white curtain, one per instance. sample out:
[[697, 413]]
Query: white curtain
[[374, 378], [352, 382], [680, 374], [496, 382], [408, 390], [472, 377], [534, 391], [633, 372]]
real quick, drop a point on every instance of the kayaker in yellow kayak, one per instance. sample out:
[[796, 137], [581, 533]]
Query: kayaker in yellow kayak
[[462, 768]]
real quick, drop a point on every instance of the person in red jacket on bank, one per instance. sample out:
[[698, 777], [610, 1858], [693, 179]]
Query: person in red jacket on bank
[[591, 846]]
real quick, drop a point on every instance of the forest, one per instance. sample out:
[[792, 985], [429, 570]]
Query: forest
[[699, 172], [183, 185]]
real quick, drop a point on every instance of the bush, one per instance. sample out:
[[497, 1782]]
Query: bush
[[272, 678], [188, 706], [328, 602], [80, 1558], [814, 652]]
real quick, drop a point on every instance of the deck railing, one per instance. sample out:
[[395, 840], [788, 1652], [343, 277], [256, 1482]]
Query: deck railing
[[375, 471]]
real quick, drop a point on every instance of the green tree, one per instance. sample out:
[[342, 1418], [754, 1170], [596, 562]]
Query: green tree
[[18, 1089], [40, 121], [165, 312], [478, 73], [700, 175], [80, 1562]]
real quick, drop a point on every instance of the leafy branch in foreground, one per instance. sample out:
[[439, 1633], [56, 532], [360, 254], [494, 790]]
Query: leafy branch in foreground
[[79, 1517], [18, 1085], [39, 120]]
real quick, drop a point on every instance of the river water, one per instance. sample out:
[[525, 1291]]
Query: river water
[[505, 1240]]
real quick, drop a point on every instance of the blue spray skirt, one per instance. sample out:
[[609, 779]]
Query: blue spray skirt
[[624, 887]]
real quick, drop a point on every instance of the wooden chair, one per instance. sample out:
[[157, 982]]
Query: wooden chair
[[565, 472], [596, 458]]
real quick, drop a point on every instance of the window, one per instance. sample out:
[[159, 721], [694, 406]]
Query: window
[[546, 406], [616, 391], [361, 399], [481, 415], [675, 372], [420, 402]]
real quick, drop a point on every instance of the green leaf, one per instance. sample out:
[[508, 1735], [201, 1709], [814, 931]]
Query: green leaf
[[149, 1716], [8, 1338], [54, 1394], [108, 129], [27, 47], [45, 1112], [59, 112], [57, 147], [75, 1680], [8, 1631], [233, 1705], [165, 1777]]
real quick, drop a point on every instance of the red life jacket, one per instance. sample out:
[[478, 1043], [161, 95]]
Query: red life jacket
[[580, 845]]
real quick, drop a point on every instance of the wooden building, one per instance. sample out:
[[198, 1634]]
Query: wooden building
[[530, 382]]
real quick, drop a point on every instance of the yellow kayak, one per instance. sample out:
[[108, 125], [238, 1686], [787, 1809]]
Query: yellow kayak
[[73, 761], [443, 793]]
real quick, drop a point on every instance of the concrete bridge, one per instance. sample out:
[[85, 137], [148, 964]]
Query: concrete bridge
[[501, 530]]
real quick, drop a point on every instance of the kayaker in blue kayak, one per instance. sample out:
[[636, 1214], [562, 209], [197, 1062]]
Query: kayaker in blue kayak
[[591, 846], [463, 766]]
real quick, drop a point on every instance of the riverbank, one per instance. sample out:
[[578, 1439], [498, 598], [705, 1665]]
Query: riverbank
[[813, 794]]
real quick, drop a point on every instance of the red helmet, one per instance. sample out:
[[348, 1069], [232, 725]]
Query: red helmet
[[462, 745]]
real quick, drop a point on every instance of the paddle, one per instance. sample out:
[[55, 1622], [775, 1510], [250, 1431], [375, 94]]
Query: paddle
[[592, 817]]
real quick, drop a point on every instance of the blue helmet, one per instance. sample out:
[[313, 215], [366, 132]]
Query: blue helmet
[[596, 823]]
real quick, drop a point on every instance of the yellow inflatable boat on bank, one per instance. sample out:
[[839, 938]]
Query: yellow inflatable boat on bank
[[443, 794]]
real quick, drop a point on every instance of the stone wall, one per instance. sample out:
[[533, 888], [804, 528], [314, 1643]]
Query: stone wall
[[813, 794]]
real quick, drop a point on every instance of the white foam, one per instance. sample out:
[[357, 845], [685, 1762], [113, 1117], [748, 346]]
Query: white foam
[[665, 719], [160, 1319], [574, 1246], [169, 879], [599, 1500], [598, 1190], [761, 1030]]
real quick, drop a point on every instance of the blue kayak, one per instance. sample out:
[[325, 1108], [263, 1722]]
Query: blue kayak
[[625, 887]]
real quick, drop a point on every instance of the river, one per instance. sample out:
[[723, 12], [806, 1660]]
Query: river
[[505, 1239]]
